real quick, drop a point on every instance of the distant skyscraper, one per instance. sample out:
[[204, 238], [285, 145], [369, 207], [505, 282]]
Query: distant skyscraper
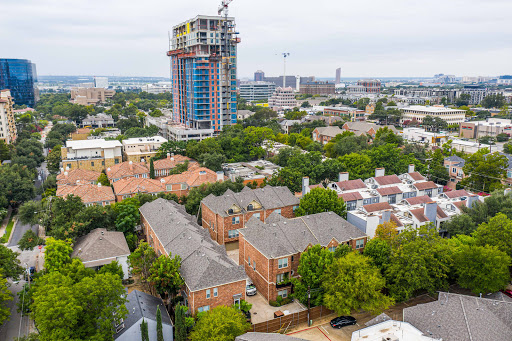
[[19, 76], [259, 76], [338, 76], [203, 72], [101, 82]]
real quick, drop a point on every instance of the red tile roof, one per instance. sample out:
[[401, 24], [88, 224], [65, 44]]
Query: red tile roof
[[77, 174], [440, 213], [416, 176], [167, 163], [388, 179], [350, 196], [348, 185], [193, 177], [460, 204], [128, 186], [389, 190], [425, 185], [419, 200], [419, 213], [87, 192], [316, 186], [125, 169], [396, 220], [457, 193], [377, 207]]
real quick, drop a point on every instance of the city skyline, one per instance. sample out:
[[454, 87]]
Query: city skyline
[[371, 39]]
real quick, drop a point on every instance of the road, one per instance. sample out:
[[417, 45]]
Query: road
[[18, 325]]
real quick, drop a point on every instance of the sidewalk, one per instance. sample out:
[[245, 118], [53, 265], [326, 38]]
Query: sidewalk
[[5, 221]]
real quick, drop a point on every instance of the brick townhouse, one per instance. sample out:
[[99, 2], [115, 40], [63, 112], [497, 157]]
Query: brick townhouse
[[211, 277], [163, 166], [181, 184], [130, 187], [127, 169], [223, 215], [270, 251], [89, 193], [77, 176]]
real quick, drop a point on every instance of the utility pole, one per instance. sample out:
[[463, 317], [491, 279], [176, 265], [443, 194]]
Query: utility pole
[[309, 305]]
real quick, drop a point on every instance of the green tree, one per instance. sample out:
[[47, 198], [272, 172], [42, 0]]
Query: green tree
[[54, 159], [420, 260], [353, 283], [151, 169], [5, 295], [5, 153], [483, 269], [460, 224], [359, 166], [113, 268], [144, 331], [164, 274], [485, 171], [288, 177], [28, 213], [386, 231], [159, 331], [29, 241], [57, 254], [180, 324], [379, 252], [220, 324], [128, 215], [321, 200], [312, 265], [497, 232], [141, 261], [103, 179], [9, 263], [16, 184]]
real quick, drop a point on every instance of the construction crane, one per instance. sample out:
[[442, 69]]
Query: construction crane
[[224, 7]]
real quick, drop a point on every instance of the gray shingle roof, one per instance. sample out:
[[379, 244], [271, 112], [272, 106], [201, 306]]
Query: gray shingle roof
[[456, 317], [100, 244], [330, 131], [454, 158], [141, 305], [269, 197], [280, 236], [266, 337], [204, 263]]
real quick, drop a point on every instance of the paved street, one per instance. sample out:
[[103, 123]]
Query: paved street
[[16, 324]]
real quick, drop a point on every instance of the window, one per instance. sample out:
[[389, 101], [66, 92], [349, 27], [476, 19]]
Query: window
[[249, 260], [257, 215], [359, 243], [332, 248], [367, 201], [375, 200], [428, 192], [278, 211], [283, 293], [295, 208], [116, 161], [254, 264], [208, 293], [454, 170], [204, 308], [392, 199], [183, 186], [212, 225], [282, 263], [292, 258], [281, 277], [351, 205], [215, 292], [103, 163], [92, 163], [235, 220], [232, 233]]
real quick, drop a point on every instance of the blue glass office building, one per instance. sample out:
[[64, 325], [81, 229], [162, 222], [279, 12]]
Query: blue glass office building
[[19, 76]]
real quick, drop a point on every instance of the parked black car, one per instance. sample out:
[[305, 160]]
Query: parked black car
[[342, 321], [31, 271]]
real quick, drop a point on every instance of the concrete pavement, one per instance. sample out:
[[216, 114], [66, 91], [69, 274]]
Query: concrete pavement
[[17, 324]]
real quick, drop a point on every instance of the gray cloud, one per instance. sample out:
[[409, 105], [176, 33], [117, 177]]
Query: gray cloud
[[365, 38]]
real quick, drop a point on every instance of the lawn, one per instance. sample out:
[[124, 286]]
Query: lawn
[[8, 230]]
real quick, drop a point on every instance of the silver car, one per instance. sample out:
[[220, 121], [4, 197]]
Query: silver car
[[250, 290]]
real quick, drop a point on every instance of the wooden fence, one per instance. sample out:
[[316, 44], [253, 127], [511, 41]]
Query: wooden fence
[[289, 321]]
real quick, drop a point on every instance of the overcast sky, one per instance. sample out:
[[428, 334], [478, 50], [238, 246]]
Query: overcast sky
[[365, 37]]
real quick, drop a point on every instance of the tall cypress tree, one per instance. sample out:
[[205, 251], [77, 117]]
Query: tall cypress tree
[[151, 169], [159, 332], [180, 326], [144, 332]]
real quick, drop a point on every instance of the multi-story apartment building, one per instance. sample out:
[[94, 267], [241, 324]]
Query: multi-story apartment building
[[138, 149], [365, 86], [8, 131], [89, 193], [88, 96], [282, 98], [257, 91], [259, 76], [418, 113], [224, 215], [96, 155], [203, 68], [353, 114], [317, 88], [20, 77], [211, 277], [270, 251]]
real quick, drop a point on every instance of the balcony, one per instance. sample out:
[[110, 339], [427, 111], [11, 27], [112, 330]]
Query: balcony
[[285, 283]]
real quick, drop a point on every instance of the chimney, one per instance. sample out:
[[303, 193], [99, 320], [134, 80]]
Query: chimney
[[411, 168], [305, 185], [131, 165], [379, 172], [168, 155], [109, 169], [386, 216], [162, 180], [62, 169], [67, 168], [343, 176], [99, 184], [430, 211], [172, 158], [220, 176], [507, 191], [172, 154], [472, 199], [66, 175]]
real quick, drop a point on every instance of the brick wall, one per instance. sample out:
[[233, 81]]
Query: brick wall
[[97, 165], [198, 299]]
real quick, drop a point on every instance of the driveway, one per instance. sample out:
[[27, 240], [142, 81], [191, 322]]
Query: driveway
[[261, 311]]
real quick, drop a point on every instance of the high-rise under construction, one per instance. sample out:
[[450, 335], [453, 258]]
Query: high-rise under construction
[[203, 71]]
